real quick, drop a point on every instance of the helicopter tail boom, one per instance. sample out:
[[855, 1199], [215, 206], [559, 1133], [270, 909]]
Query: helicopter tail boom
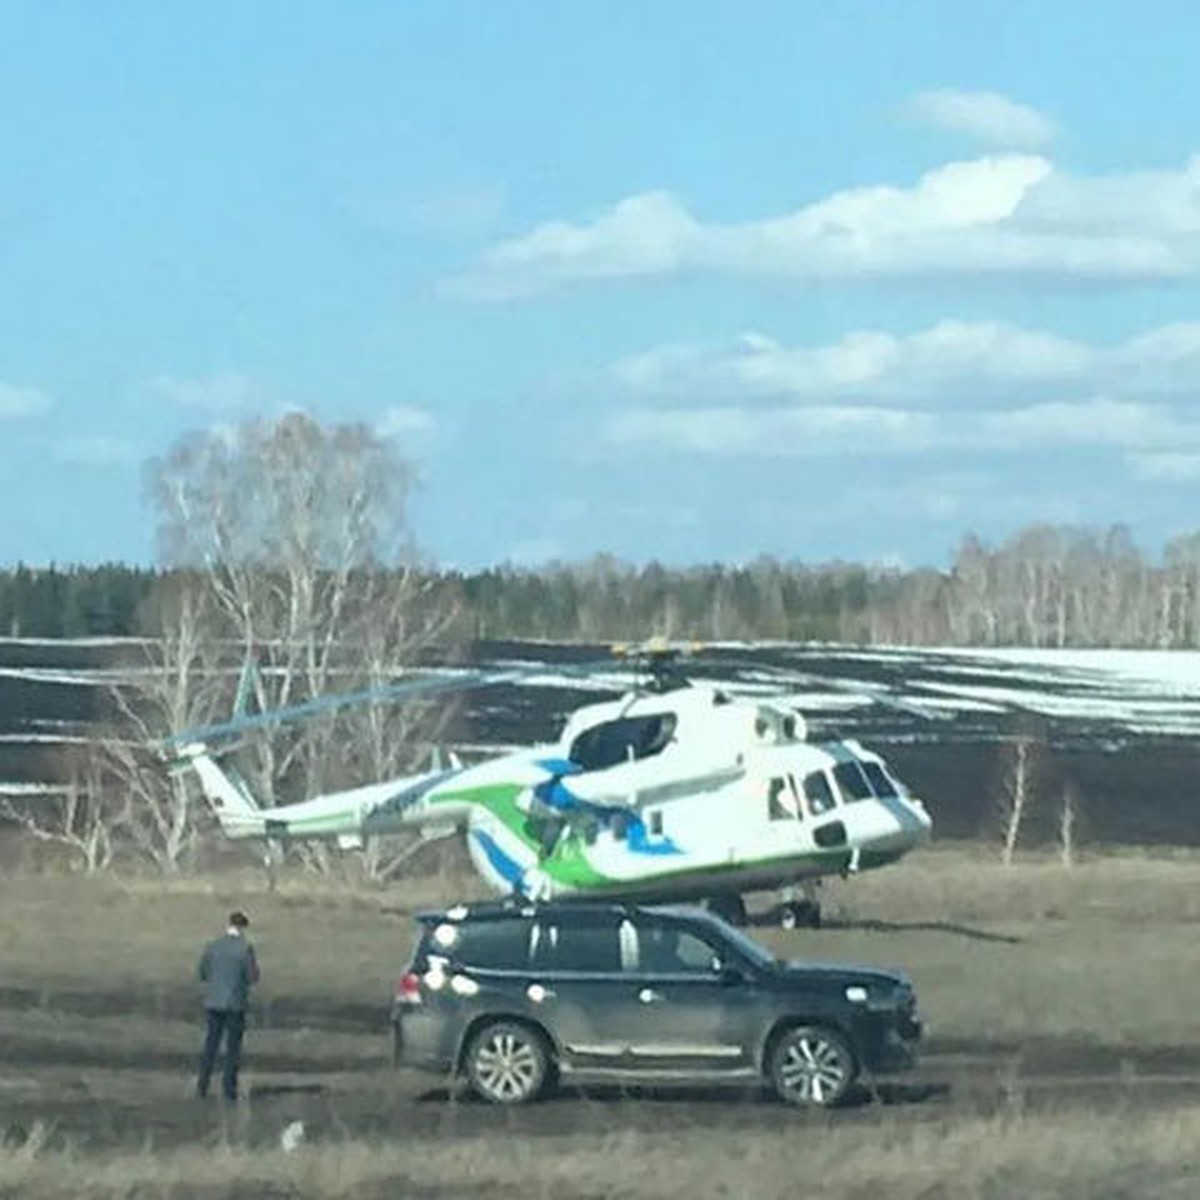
[[240, 816]]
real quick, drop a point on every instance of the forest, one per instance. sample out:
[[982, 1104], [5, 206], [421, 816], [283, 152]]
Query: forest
[[1044, 586]]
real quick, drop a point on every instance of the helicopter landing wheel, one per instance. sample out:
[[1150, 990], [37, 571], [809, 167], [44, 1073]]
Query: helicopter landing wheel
[[730, 907], [799, 914]]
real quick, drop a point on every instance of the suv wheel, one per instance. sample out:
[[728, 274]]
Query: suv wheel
[[507, 1063], [811, 1065]]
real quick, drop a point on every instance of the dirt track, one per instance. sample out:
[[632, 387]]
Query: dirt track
[[116, 1076]]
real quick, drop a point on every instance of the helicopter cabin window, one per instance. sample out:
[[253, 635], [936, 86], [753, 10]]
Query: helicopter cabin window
[[782, 803], [852, 783], [615, 742], [818, 793], [879, 781]]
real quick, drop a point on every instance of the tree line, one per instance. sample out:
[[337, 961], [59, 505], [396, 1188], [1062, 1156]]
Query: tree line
[[1045, 586]]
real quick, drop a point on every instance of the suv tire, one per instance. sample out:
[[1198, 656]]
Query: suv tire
[[812, 1066], [507, 1063]]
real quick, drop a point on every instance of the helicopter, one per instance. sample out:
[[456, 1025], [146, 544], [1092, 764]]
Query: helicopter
[[675, 791]]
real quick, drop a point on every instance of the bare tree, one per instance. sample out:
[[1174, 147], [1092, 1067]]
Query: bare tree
[[299, 534], [1020, 778], [80, 817], [1068, 815], [179, 686]]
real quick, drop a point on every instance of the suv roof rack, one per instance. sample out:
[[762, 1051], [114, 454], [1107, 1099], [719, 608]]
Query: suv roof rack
[[492, 909]]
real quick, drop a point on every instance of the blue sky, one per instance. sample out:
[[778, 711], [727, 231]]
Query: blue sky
[[692, 281]]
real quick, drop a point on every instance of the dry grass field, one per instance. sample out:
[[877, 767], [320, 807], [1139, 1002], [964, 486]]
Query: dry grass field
[[1064, 1056]]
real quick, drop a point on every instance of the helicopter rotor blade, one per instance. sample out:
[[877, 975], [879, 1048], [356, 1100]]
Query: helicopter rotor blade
[[872, 692], [407, 690]]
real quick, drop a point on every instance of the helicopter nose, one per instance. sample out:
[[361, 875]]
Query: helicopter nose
[[907, 826], [923, 818]]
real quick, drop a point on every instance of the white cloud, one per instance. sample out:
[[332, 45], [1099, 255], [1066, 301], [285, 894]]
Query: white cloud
[[647, 234], [786, 432], [984, 356], [18, 402], [1003, 215], [1167, 466], [827, 431], [97, 450], [404, 421], [988, 116], [950, 363], [1096, 422], [218, 393]]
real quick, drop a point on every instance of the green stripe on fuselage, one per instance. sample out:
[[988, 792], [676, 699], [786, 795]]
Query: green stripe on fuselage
[[500, 801]]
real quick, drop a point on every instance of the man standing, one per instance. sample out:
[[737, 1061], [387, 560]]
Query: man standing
[[228, 969]]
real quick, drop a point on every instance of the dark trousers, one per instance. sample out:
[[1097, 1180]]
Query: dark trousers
[[228, 1025]]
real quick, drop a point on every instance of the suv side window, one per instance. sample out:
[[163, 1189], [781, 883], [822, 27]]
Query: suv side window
[[501, 945], [587, 946], [665, 949]]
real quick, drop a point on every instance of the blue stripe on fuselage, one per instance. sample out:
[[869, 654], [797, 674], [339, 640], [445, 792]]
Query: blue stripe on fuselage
[[507, 868], [554, 794]]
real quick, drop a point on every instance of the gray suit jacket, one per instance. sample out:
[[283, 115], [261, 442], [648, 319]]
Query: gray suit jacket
[[227, 969]]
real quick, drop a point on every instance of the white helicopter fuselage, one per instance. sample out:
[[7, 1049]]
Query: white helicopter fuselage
[[675, 794]]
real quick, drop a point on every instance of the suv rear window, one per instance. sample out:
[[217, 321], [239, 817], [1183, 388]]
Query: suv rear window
[[487, 945]]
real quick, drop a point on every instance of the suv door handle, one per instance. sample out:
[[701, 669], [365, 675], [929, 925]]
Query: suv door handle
[[649, 996]]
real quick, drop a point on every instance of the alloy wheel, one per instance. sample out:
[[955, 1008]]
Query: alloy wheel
[[812, 1066], [507, 1064]]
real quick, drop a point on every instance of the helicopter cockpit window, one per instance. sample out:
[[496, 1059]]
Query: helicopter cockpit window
[[879, 781], [615, 742], [852, 783], [818, 793], [782, 803]]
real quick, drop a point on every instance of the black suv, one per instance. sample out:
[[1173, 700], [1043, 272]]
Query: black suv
[[514, 997]]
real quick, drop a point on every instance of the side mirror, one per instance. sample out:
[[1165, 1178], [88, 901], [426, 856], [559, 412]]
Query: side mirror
[[729, 975]]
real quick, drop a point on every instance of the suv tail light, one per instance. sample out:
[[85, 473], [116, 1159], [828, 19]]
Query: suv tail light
[[408, 988]]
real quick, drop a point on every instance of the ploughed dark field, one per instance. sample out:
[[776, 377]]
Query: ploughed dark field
[[1128, 746]]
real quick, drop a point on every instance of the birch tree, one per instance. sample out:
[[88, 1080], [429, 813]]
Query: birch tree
[[300, 536], [1019, 786]]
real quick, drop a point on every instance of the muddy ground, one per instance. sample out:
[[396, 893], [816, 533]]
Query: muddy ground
[[115, 1069]]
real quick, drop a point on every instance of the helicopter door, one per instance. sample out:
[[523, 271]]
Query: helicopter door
[[774, 825]]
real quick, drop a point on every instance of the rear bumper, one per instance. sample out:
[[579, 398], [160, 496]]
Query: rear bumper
[[421, 1041]]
